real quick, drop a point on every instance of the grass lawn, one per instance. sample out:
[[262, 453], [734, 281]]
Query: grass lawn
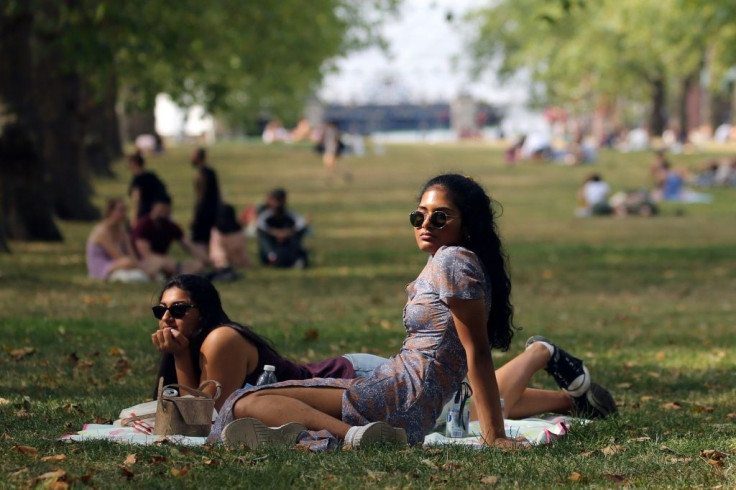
[[648, 303]]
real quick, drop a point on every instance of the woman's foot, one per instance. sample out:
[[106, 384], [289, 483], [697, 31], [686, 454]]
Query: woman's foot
[[596, 403], [569, 372], [254, 434], [375, 433]]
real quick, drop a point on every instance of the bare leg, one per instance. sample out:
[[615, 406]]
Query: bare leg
[[316, 408], [513, 381]]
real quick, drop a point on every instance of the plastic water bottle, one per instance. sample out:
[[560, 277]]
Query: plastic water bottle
[[268, 377], [458, 416]]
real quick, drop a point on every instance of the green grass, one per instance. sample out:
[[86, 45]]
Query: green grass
[[648, 303]]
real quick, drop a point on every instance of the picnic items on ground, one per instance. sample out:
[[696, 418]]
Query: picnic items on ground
[[185, 415]]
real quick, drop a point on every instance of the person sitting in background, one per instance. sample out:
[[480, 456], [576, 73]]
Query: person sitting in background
[[109, 250], [152, 238], [280, 233], [144, 187], [227, 246], [593, 197]]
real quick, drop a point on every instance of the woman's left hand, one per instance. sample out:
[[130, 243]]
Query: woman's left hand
[[511, 444]]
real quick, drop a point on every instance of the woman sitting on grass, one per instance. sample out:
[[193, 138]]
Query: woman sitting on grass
[[459, 307], [109, 251]]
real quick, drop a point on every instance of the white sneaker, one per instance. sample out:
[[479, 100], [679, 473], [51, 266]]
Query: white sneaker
[[254, 434], [378, 433]]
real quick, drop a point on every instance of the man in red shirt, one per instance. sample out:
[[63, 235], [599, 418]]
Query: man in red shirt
[[153, 235]]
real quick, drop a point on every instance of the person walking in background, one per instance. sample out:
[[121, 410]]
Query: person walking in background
[[109, 250], [144, 187], [207, 200], [280, 233], [153, 236], [332, 148]]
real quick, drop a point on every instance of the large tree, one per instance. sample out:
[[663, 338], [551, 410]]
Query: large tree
[[65, 66], [583, 53]]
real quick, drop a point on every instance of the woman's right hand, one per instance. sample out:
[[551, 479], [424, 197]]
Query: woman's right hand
[[170, 340]]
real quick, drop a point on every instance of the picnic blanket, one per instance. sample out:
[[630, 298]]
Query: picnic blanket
[[536, 430]]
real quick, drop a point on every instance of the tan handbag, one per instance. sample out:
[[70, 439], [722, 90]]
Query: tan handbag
[[185, 415]]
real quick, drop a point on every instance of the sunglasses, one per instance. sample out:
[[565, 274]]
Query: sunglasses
[[177, 310], [438, 219]]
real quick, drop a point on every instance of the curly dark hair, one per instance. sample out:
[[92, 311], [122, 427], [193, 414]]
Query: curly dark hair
[[480, 235]]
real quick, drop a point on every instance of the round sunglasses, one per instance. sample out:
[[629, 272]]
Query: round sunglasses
[[438, 219], [177, 310]]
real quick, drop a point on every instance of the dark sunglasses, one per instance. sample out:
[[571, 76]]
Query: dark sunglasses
[[177, 310], [438, 219]]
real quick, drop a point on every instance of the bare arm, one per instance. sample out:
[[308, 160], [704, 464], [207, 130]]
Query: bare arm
[[143, 247], [194, 251], [470, 321], [228, 358], [135, 203]]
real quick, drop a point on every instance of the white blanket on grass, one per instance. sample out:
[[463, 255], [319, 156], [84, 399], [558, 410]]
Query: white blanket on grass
[[535, 430]]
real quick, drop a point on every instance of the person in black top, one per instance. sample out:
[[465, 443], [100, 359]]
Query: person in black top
[[206, 200], [280, 233], [144, 188]]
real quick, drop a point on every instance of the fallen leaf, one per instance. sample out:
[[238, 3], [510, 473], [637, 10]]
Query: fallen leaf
[[715, 462], [21, 471], [183, 471], [72, 359], [438, 478], [611, 450], [116, 351], [28, 450], [210, 462], [672, 459], [19, 354], [4, 401], [665, 449], [587, 454], [451, 466], [157, 460], [54, 457], [575, 476], [640, 439], [489, 480], [712, 454], [616, 478], [430, 463], [653, 374], [311, 335], [731, 416], [86, 478], [623, 386], [701, 409], [127, 473], [130, 459], [671, 406], [646, 398], [375, 475], [53, 475], [85, 364]]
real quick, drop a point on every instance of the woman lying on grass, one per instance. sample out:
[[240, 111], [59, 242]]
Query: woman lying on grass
[[459, 307]]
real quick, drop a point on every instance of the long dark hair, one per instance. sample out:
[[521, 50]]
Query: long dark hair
[[203, 294], [480, 235]]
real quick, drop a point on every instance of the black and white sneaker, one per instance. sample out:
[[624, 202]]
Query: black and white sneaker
[[569, 372], [596, 403]]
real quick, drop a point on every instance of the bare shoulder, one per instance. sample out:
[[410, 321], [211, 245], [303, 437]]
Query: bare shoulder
[[225, 338]]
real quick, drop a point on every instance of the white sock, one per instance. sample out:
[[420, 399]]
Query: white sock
[[352, 431], [547, 345]]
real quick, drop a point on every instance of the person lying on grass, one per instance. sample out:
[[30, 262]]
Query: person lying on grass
[[459, 307]]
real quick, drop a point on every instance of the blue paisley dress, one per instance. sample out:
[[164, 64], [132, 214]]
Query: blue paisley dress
[[410, 389]]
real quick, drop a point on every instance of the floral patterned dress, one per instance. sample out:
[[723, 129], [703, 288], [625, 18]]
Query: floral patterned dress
[[410, 389]]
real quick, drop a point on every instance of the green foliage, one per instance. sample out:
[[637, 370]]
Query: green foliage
[[647, 303]]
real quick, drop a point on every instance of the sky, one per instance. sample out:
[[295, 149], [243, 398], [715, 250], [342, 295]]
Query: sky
[[426, 62]]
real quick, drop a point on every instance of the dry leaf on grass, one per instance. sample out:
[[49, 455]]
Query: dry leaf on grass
[[701, 409], [430, 463], [611, 450], [712, 454], [673, 459], [640, 439], [451, 466], [575, 476], [54, 457], [311, 335], [130, 459], [616, 478], [19, 354], [51, 479], [375, 475], [489, 480], [183, 471], [127, 473], [27, 450], [115, 351], [5, 401], [671, 406]]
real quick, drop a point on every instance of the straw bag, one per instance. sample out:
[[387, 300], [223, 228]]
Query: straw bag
[[185, 415]]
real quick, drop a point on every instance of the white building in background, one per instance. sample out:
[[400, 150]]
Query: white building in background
[[175, 123]]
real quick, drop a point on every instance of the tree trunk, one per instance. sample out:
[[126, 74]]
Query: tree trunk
[[684, 108], [63, 138], [25, 211], [658, 118], [102, 141]]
